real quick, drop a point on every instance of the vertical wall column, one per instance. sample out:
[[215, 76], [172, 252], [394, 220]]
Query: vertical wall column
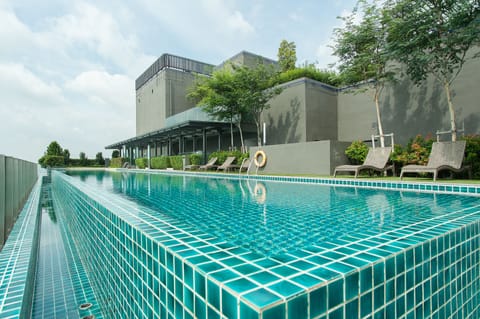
[[148, 155], [169, 146], [219, 140], [204, 145]]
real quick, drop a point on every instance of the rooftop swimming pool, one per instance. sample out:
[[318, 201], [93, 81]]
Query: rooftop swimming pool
[[199, 245], [274, 218]]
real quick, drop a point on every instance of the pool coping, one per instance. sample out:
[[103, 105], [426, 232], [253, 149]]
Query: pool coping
[[338, 264], [18, 259], [418, 186]]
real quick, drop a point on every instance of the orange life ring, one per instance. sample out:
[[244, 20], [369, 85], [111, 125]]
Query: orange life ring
[[263, 156]]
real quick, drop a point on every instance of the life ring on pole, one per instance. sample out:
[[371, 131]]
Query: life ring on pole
[[263, 161]]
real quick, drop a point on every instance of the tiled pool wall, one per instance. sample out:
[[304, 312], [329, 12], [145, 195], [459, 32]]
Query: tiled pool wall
[[18, 260], [437, 275]]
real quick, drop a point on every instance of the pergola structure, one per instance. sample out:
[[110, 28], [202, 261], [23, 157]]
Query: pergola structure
[[184, 138]]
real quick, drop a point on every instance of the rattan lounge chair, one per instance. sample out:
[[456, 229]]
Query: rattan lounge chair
[[228, 164], [376, 160], [444, 156], [210, 164]]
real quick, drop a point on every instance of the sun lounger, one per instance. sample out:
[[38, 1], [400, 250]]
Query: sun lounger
[[228, 164], [210, 164], [444, 156], [376, 160], [245, 164]]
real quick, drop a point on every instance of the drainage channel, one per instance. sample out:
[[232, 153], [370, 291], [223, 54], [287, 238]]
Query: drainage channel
[[61, 286]]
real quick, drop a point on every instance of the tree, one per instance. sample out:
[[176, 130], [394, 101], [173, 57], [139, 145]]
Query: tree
[[362, 51], [99, 159], [287, 55], [115, 154], [255, 85], [432, 37], [83, 159], [66, 156], [54, 149], [218, 96]]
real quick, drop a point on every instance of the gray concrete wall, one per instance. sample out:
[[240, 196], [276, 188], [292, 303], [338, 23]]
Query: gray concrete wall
[[408, 110], [151, 105], [17, 178], [163, 96], [321, 111], [313, 158], [286, 118]]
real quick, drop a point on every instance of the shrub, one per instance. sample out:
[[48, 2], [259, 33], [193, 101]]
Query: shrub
[[357, 152], [53, 161], [222, 156], [117, 162], [160, 162], [195, 159], [176, 162], [141, 162], [416, 152], [472, 154], [310, 72]]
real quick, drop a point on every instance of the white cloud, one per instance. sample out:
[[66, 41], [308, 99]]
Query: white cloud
[[20, 87], [103, 89], [204, 25]]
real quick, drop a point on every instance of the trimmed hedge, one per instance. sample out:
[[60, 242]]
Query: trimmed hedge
[[161, 162], [195, 159], [176, 162], [117, 162], [141, 162]]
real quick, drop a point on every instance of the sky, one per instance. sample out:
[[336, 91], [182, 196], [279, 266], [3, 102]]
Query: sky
[[68, 68]]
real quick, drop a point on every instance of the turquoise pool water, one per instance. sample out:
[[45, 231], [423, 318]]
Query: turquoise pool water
[[272, 218], [161, 245]]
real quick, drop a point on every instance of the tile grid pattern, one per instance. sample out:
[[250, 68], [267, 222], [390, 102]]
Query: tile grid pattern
[[18, 260], [61, 284], [184, 290]]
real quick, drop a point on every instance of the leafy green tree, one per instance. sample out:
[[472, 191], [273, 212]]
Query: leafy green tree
[[362, 51], [218, 96], [256, 90], [287, 55], [83, 159], [99, 159], [66, 156], [115, 154], [432, 37], [54, 149]]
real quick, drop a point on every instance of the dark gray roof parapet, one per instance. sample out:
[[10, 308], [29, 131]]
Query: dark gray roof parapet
[[174, 62]]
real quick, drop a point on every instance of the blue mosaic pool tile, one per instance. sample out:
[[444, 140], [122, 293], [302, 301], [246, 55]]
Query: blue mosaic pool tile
[[261, 297], [383, 246], [17, 259], [265, 277]]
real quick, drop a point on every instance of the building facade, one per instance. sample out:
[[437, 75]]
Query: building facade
[[169, 123]]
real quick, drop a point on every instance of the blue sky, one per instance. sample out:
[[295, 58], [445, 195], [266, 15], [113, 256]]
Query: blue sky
[[67, 68]]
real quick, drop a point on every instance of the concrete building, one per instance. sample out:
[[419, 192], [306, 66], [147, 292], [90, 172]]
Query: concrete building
[[308, 125]]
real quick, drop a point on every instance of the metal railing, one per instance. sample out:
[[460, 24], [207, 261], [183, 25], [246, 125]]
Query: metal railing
[[392, 141], [462, 130], [17, 178], [174, 62]]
